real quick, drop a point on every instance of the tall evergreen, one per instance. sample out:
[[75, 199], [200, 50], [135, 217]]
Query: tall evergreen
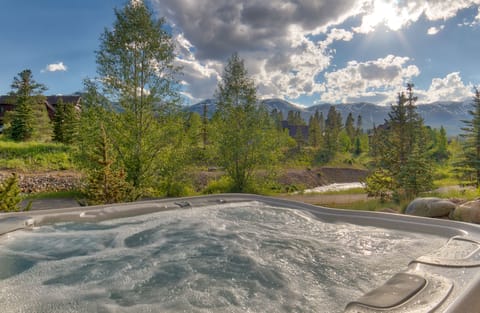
[[400, 151], [65, 122], [294, 118], [10, 195], [105, 183], [29, 119], [333, 126], [470, 164], [350, 127], [359, 127]]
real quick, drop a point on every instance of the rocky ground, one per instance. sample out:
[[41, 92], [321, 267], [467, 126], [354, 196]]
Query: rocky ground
[[46, 181], [294, 179]]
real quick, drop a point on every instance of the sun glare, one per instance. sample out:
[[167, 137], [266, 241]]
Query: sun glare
[[387, 13]]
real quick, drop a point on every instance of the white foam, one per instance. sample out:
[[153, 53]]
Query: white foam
[[235, 258]]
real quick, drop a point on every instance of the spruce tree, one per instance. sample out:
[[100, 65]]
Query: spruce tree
[[333, 126], [470, 163], [10, 195], [105, 183], [29, 119], [59, 122], [65, 122], [350, 127], [400, 151], [315, 130], [359, 128]]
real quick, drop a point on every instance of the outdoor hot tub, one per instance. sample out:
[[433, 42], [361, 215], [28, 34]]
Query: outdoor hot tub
[[235, 253]]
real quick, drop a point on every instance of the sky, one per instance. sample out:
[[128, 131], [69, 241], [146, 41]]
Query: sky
[[304, 51]]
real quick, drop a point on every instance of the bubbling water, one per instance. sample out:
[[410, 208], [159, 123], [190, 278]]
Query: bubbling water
[[246, 257]]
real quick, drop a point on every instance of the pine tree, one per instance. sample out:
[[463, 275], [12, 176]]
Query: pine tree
[[470, 163], [359, 128], [333, 126], [400, 150], [29, 119], [65, 122], [59, 122], [105, 184], [71, 123], [440, 145], [10, 195], [349, 127], [277, 117], [315, 129]]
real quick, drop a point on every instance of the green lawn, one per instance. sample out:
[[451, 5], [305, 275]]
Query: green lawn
[[35, 156]]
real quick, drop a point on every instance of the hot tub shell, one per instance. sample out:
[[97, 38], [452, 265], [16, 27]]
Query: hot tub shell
[[447, 280]]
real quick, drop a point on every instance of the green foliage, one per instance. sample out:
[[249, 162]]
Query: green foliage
[[371, 205], [439, 141], [35, 156], [221, 185], [470, 162], [400, 152], [344, 141], [323, 156], [65, 122], [29, 119], [105, 184], [379, 184], [10, 197], [349, 127], [246, 137], [294, 118], [135, 62], [333, 126], [315, 128]]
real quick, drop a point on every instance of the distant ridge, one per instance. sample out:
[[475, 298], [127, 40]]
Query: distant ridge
[[448, 114]]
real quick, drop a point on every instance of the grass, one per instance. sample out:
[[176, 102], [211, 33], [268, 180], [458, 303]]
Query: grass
[[463, 193], [35, 156], [370, 205]]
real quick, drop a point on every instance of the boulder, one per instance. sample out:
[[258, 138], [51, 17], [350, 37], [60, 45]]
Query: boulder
[[430, 207], [468, 212]]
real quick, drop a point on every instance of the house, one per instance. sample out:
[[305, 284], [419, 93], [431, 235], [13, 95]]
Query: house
[[7, 103], [296, 131]]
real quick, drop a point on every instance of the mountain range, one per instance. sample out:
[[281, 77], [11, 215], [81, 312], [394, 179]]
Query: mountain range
[[448, 114]]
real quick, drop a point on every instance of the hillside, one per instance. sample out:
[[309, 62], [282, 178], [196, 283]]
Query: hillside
[[448, 114]]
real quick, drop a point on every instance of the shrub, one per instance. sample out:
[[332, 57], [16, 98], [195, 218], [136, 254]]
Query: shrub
[[10, 197], [223, 184]]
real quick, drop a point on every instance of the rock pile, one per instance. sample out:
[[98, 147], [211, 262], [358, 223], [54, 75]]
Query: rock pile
[[441, 208], [46, 182]]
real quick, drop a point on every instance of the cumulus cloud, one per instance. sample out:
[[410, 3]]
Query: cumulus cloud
[[219, 27], [55, 67], [398, 14], [376, 80], [287, 44], [274, 38], [449, 88]]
